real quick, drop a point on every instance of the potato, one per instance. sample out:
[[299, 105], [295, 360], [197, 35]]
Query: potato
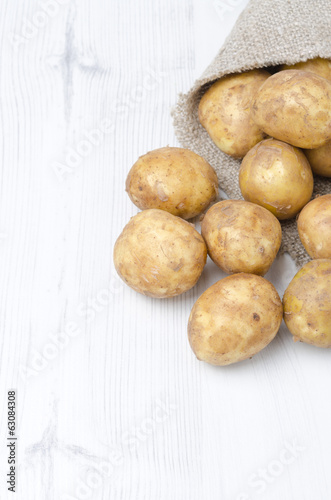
[[319, 66], [224, 111], [314, 227], [241, 236], [159, 255], [172, 179], [276, 176], [307, 304], [320, 159], [295, 107], [234, 319]]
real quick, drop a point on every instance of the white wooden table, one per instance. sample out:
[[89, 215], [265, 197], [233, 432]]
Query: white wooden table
[[111, 402]]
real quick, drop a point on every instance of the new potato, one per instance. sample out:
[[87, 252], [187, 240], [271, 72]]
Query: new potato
[[276, 176], [307, 304], [225, 112], [320, 160], [241, 236], [172, 179], [319, 66], [234, 319], [294, 106], [159, 255], [314, 227]]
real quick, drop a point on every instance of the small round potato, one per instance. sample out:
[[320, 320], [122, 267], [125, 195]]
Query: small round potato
[[307, 304], [276, 176], [314, 227], [241, 236], [224, 111], [159, 255], [320, 160], [319, 66], [295, 107], [234, 319], [172, 179]]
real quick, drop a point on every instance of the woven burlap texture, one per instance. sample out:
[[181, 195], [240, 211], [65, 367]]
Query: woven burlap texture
[[267, 33]]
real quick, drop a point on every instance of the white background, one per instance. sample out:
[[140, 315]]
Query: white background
[[122, 410]]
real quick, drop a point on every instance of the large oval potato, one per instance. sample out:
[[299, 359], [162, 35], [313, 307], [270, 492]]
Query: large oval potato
[[295, 107], [320, 159], [319, 66], [234, 319], [159, 255], [307, 304], [224, 111], [314, 227], [241, 236], [276, 176], [172, 179]]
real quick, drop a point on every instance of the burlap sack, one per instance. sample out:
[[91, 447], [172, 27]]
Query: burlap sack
[[267, 33]]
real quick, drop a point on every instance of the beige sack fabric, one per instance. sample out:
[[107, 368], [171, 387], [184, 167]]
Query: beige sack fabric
[[267, 33]]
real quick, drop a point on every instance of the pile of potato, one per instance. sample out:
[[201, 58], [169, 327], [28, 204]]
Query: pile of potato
[[263, 119]]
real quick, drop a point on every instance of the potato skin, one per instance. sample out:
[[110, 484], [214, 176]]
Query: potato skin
[[314, 227], [172, 179], [234, 319], [319, 66], [295, 107], [159, 255], [307, 304], [241, 236], [320, 159], [276, 176], [224, 111]]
